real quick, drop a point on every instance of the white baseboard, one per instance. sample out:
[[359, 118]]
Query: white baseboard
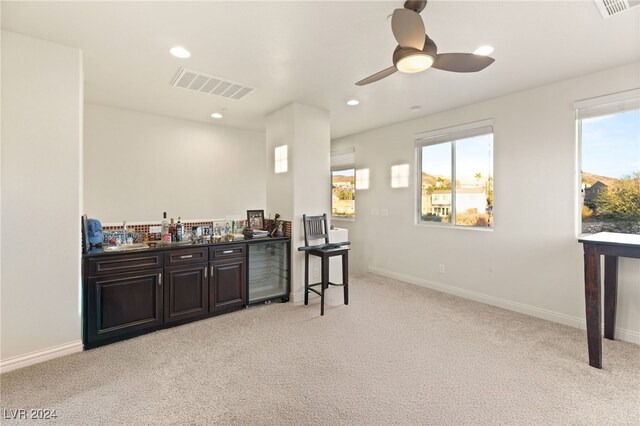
[[576, 322], [36, 357]]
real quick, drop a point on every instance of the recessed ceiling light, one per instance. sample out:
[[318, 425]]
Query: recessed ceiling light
[[216, 115], [483, 51], [353, 102], [180, 52]]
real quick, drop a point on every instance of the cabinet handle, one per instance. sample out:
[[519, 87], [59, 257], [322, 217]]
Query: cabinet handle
[[159, 279], [211, 270], [227, 252], [205, 272], [186, 256]]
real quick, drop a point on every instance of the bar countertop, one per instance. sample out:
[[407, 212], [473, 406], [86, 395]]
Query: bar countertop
[[175, 246]]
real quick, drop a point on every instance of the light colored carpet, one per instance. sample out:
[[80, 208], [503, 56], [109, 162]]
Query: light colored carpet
[[398, 354]]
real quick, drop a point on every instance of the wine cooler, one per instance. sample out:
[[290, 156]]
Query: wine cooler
[[268, 271]]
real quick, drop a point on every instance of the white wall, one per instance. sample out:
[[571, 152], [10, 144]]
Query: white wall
[[531, 262], [41, 197], [280, 131], [138, 165], [306, 187]]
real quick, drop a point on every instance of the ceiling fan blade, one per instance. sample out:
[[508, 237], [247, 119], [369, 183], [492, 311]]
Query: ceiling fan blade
[[377, 76], [415, 5], [408, 28], [462, 62]]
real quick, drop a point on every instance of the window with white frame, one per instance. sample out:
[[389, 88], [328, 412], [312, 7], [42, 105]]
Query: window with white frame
[[281, 159], [343, 183], [456, 176], [608, 130]]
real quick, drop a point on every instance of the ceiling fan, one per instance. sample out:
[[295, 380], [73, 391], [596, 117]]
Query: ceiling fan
[[416, 51]]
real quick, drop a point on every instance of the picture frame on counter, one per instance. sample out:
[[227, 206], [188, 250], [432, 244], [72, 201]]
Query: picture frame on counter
[[255, 219]]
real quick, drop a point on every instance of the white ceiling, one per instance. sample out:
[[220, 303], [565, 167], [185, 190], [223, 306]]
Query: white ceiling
[[313, 52]]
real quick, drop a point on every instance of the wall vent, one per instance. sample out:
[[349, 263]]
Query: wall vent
[[608, 8], [207, 83]]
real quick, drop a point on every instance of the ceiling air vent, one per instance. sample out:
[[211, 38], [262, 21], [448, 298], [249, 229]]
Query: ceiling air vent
[[207, 83], [608, 8]]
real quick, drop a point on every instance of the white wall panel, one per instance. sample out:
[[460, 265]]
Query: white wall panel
[[138, 165]]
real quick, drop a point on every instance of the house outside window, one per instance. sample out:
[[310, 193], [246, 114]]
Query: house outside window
[[608, 130], [456, 176], [343, 184]]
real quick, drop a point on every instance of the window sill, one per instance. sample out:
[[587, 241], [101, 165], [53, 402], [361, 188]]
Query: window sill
[[344, 219], [465, 228]]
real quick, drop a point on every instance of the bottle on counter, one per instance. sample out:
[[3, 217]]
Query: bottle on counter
[[172, 230], [165, 224], [179, 230]]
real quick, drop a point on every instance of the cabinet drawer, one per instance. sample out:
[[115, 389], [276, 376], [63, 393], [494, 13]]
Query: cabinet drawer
[[186, 256], [225, 252], [115, 264]]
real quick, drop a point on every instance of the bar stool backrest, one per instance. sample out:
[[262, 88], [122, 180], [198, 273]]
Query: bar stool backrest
[[315, 228]]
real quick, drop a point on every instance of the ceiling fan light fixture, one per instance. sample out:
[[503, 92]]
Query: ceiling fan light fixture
[[414, 62]]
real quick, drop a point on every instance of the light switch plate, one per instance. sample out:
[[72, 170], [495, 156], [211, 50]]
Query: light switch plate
[[374, 212]]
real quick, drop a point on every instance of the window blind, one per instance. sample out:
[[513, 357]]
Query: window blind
[[454, 133], [606, 105], [343, 159]]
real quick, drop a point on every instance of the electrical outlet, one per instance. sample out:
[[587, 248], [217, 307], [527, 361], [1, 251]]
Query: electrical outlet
[[155, 229], [441, 268], [316, 273], [384, 212]]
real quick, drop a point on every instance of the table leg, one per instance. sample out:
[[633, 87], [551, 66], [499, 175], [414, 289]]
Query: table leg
[[592, 303], [610, 295]]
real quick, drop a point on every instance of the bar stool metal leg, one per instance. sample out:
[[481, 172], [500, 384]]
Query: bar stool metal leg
[[306, 278], [345, 276], [325, 281]]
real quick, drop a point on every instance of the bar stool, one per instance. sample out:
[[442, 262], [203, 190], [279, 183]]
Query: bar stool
[[315, 228]]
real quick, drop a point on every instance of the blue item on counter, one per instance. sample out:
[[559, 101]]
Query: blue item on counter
[[94, 232]]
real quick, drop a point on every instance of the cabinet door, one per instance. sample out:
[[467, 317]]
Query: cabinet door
[[185, 292], [123, 303], [227, 284]]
